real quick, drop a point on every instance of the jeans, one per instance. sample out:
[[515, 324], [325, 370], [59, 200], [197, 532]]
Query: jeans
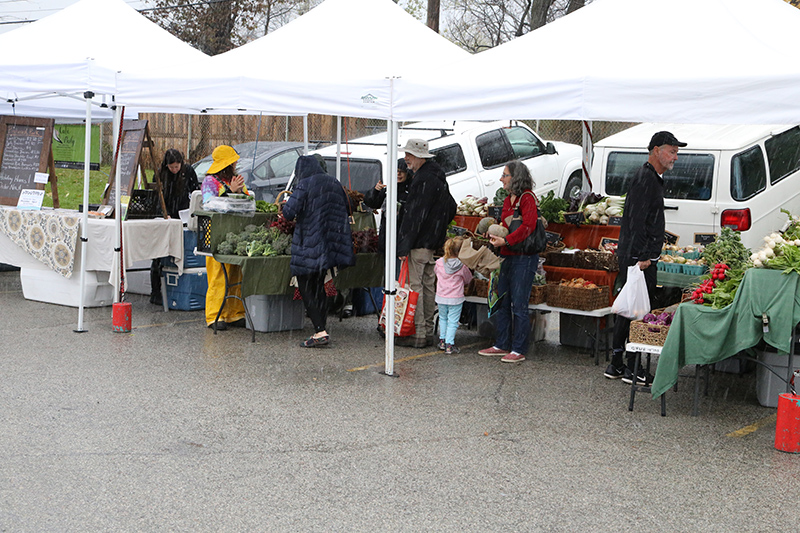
[[449, 316], [514, 286]]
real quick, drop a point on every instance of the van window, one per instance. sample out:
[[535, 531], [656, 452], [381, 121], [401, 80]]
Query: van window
[[357, 174], [493, 149], [451, 159], [783, 154], [691, 178], [748, 174], [524, 143]]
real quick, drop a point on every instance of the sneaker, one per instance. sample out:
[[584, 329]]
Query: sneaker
[[513, 357], [613, 372], [493, 352], [313, 342], [642, 378], [412, 342], [450, 349], [441, 345]]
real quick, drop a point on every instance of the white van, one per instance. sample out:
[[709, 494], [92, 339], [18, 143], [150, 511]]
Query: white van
[[472, 155], [735, 176]]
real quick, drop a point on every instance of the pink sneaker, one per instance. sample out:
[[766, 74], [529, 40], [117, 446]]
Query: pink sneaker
[[513, 357], [493, 352]]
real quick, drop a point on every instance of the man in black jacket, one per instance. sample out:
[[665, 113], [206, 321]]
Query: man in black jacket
[[428, 210], [640, 240]]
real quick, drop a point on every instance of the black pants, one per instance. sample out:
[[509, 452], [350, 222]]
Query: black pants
[[155, 281], [312, 289], [622, 325]]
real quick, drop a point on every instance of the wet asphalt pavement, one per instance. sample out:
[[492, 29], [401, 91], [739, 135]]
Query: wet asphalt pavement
[[171, 427]]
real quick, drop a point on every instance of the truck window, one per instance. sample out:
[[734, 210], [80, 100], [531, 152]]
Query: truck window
[[493, 149], [783, 154], [357, 174], [524, 144], [748, 174], [451, 159], [691, 178]]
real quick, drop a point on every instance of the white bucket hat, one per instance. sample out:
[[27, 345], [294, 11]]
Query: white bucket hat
[[417, 147]]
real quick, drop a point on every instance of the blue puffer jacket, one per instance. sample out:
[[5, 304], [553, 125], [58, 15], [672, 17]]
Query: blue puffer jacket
[[322, 238]]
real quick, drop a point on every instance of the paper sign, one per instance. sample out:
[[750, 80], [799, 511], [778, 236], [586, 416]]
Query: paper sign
[[30, 199], [41, 177]]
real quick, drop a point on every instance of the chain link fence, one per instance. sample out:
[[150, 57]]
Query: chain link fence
[[197, 135]]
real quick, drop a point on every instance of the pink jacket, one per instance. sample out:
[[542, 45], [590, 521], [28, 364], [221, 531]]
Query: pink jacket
[[451, 277]]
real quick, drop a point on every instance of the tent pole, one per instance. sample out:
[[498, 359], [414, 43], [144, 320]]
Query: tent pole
[[305, 134], [588, 150], [118, 208], [339, 148], [391, 242], [87, 154]]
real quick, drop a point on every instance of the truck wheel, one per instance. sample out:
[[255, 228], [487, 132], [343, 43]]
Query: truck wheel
[[574, 186]]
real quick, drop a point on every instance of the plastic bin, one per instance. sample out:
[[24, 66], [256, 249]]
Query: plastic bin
[[274, 312], [768, 385], [693, 270], [675, 268], [51, 287], [186, 292], [362, 303]]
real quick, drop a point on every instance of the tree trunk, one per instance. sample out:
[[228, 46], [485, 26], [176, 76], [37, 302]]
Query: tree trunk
[[575, 5], [538, 13], [433, 15]]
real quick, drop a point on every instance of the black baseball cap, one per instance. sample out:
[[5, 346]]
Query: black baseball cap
[[664, 137]]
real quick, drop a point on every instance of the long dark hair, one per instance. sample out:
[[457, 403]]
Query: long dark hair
[[521, 179], [172, 156]]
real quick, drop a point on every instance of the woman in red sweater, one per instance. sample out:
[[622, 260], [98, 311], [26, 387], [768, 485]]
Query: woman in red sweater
[[517, 271]]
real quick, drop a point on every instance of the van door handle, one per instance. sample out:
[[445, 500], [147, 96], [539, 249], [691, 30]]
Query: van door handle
[[671, 207]]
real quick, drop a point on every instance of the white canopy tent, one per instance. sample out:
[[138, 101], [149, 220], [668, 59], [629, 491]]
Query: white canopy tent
[[74, 55], [688, 61], [341, 58]]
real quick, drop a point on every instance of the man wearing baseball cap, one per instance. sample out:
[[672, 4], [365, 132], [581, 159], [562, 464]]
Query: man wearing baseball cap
[[428, 210], [640, 241]]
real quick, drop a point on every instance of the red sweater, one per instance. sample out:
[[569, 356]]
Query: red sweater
[[530, 215]]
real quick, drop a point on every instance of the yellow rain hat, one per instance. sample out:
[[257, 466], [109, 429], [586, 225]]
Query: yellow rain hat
[[224, 156]]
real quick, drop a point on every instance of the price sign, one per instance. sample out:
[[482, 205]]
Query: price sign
[[670, 238], [552, 237], [614, 221], [576, 218], [704, 238]]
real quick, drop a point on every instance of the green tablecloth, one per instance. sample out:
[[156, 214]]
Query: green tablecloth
[[700, 335], [671, 279], [271, 276]]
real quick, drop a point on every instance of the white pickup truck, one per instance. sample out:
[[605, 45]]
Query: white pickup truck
[[472, 154]]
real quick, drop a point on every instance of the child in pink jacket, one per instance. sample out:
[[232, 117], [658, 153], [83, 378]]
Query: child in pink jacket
[[451, 277]]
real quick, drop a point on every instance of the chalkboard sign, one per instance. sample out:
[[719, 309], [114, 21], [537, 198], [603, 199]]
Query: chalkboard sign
[[576, 218], [614, 243], [133, 132], [552, 237], [495, 211], [24, 151], [614, 221], [670, 238], [704, 238]]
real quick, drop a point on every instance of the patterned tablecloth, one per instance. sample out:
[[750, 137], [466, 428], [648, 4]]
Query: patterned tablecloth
[[48, 236]]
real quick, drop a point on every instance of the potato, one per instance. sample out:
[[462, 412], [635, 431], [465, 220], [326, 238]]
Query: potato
[[498, 230]]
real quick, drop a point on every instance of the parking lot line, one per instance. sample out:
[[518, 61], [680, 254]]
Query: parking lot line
[[753, 427]]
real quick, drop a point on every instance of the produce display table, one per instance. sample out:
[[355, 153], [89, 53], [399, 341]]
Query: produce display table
[[647, 349], [271, 276], [597, 314], [700, 335]]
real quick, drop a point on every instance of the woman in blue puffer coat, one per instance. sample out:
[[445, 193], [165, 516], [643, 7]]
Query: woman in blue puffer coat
[[322, 240]]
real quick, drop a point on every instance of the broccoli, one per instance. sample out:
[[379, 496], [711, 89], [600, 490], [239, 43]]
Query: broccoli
[[255, 248], [241, 248], [226, 248]]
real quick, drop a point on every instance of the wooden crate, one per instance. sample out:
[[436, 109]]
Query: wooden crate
[[558, 295], [537, 294]]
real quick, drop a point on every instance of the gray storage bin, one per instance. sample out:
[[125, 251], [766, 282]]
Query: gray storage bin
[[768, 385], [275, 313]]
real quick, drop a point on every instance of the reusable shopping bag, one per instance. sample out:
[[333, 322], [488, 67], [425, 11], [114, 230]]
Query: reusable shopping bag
[[633, 301], [405, 306]]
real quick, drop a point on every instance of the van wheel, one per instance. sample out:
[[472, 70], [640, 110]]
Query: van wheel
[[574, 186]]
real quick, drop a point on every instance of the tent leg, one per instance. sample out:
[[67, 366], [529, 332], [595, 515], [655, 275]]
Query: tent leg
[[87, 154]]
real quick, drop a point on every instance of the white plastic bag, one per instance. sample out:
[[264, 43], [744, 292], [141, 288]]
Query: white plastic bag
[[633, 301]]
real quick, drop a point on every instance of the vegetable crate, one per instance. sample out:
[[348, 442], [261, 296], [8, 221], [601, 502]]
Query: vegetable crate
[[204, 234], [481, 288], [650, 334], [596, 260], [558, 295]]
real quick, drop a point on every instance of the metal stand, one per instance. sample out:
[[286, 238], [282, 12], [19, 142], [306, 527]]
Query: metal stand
[[228, 286]]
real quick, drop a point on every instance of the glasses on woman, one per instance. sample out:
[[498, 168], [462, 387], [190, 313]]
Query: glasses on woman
[[504, 175]]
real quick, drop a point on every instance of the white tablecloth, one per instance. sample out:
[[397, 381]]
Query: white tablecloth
[[141, 239]]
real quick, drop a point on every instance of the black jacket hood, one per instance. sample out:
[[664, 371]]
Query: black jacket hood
[[306, 167]]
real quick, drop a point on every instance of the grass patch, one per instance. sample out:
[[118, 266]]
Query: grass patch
[[70, 187]]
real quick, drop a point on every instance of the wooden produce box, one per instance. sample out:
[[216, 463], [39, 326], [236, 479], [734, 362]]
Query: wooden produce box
[[558, 295], [537, 294], [651, 334]]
